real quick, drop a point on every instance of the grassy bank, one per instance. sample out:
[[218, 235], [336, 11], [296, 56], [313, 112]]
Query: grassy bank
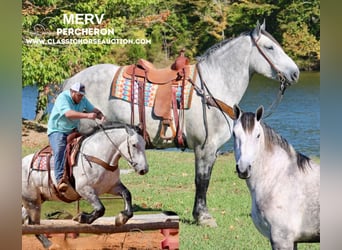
[[170, 186]]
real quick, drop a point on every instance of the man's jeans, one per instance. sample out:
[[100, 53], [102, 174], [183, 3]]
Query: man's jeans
[[58, 144]]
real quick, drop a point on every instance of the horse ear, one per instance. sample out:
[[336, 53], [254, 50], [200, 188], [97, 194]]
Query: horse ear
[[129, 130], [263, 25], [237, 111], [256, 31], [259, 113]]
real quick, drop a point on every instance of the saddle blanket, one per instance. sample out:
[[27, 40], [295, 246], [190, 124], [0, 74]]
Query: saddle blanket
[[40, 163], [121, 89]]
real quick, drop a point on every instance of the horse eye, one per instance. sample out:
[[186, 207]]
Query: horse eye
[[258, 135], [269, 47]]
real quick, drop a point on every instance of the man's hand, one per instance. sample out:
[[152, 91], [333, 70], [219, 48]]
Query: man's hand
[[103, 118], [91, 115]]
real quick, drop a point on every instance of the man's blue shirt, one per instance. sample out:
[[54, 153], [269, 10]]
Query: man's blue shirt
[[57, 121]]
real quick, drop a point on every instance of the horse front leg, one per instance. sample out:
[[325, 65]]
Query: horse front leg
[[127, 213], [204, 161], [96, 203]]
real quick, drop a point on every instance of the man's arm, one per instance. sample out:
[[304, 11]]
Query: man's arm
[[72, 114]]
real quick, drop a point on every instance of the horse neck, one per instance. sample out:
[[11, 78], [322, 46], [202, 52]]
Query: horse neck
[[271, 165], [226, 70], [108, 142]]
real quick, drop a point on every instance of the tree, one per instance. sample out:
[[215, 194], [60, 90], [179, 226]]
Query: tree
[[171, 25], [299, 24]]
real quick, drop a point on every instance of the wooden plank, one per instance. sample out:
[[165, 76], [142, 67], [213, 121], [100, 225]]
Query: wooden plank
[[104, 225]]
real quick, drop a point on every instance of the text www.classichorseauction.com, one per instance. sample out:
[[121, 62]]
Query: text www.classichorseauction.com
[[52, 41], [83, 19]]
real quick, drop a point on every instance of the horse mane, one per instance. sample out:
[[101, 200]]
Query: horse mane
[[113, 125], [272, 138], [217, 46]]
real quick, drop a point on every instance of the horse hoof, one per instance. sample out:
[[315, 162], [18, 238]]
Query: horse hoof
[[121, 219], [80, 218], [207, 221]]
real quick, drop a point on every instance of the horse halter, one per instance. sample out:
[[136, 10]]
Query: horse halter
[[282, 79]]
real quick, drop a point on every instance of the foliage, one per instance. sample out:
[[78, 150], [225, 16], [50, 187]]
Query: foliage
[[169, 24], [300, 26]]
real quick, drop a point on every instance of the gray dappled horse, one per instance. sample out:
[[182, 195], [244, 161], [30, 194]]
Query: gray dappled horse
[[284, 184], [92, 177], [225, 70]]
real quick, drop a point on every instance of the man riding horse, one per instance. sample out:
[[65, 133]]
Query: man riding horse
[[71, 105]]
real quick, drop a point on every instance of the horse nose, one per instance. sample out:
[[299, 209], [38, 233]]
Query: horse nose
[[295, 76], [244, 174], [143, 171]]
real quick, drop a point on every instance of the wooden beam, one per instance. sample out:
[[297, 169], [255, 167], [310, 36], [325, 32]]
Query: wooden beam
[[105, 225]]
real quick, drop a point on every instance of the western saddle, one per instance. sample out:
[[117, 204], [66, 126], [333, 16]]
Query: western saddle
[[165, 100], [41, 161]]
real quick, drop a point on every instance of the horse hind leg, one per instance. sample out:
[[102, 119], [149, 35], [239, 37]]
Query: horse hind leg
[[44, 240], [31, 216]]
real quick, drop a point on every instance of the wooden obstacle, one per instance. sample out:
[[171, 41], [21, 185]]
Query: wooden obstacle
[[105, 225]]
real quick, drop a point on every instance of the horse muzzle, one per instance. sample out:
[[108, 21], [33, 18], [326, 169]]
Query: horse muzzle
[[143, 171], [290, 78], [243, 174], [140, 169]]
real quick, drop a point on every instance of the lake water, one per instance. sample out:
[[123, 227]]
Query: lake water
[[297, 117]]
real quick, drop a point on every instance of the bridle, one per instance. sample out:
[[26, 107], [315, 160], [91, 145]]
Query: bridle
[[210, 100], [130, 161], [105, 164], [282, 79]]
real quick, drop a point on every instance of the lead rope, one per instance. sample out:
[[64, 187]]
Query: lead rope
[[205, 120], [276, 102]]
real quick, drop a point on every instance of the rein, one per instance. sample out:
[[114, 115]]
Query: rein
[[210, 100]]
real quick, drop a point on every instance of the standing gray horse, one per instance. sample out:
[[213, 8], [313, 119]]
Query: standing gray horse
[[225, 70], [96, 172], [284, 184]]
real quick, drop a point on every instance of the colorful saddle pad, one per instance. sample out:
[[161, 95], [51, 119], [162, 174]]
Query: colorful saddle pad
[[121, 89]]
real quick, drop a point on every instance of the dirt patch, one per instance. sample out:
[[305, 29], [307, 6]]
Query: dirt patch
[[126, 241], [34, 135]]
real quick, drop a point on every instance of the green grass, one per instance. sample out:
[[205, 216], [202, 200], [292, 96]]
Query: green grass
[[169, 185]]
